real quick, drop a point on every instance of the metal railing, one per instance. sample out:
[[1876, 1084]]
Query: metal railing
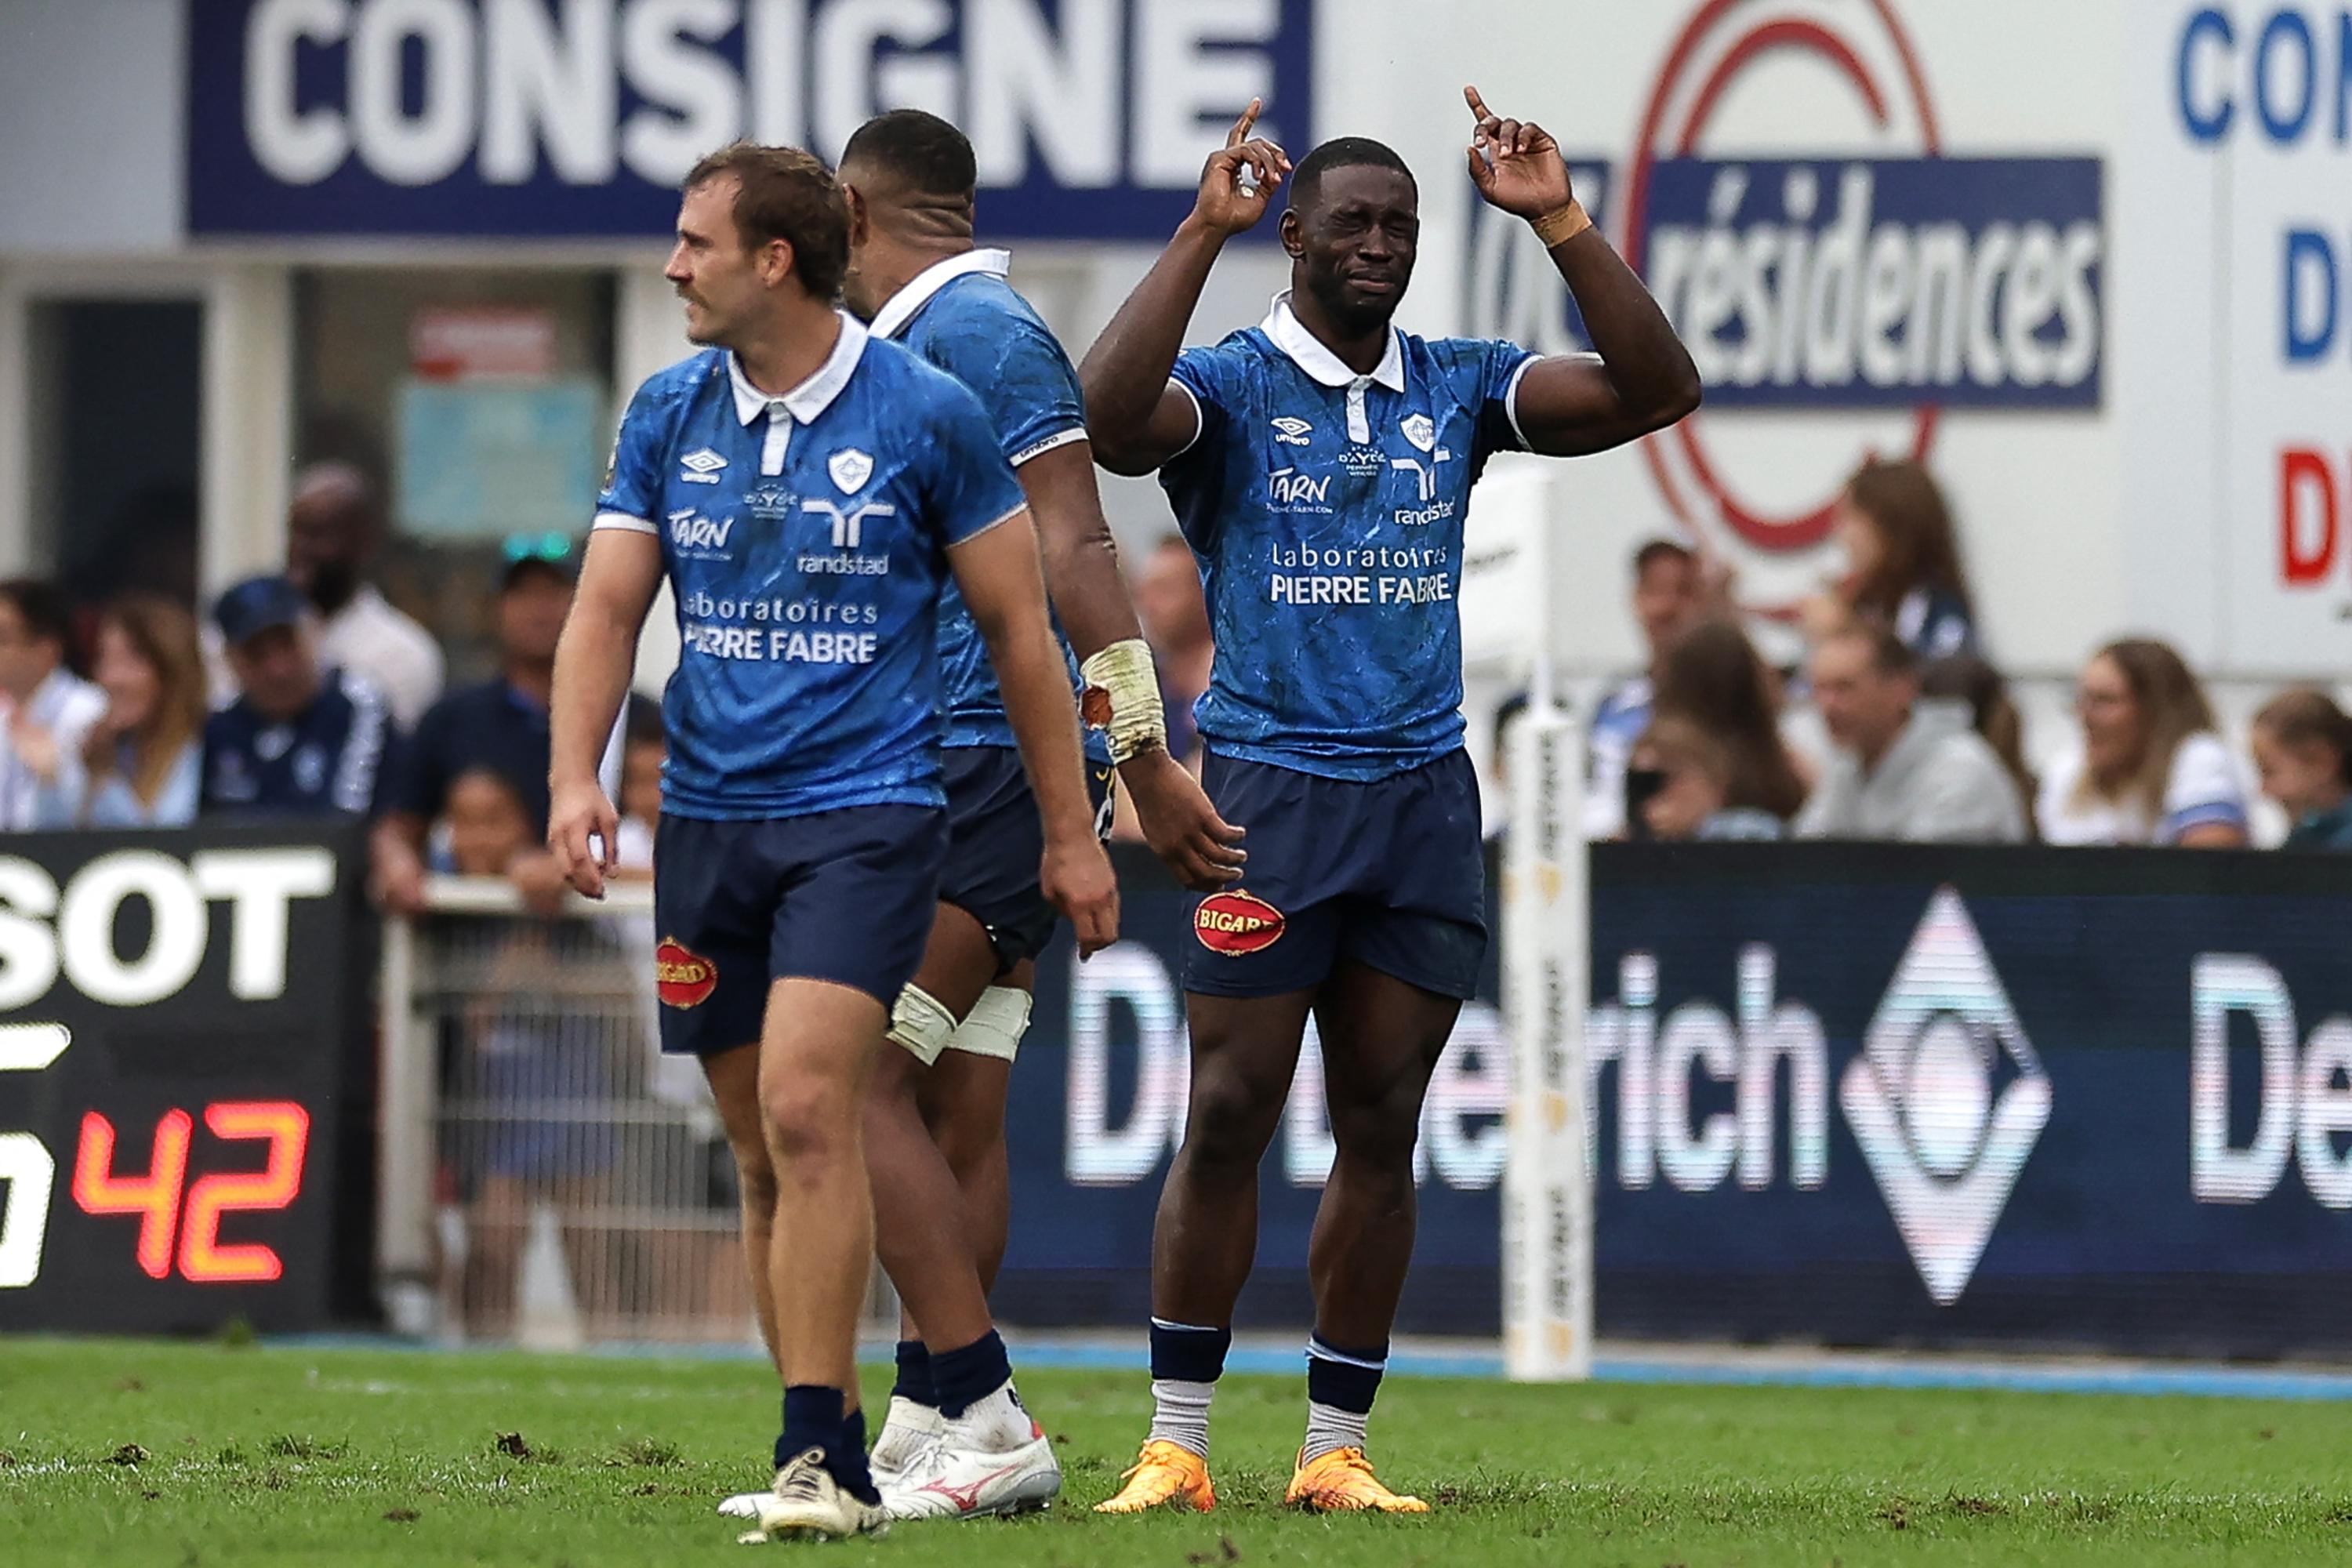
[[547, 1177]]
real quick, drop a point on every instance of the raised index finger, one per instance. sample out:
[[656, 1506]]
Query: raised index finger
[[1477, 104], [1240, 132]]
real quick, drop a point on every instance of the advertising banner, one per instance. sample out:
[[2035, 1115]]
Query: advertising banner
[[578, 118], [1853, 1094], [182, 1114]]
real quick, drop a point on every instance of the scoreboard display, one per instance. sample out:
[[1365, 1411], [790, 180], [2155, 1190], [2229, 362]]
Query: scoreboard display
[[183, 1052]]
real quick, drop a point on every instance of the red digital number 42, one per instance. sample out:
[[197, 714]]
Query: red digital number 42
[[155, 1195]]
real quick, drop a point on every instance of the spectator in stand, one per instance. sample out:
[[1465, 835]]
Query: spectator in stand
[[1966, 679], [333, 530], [1175, 616], [2303, 750], [301, 738], [1679, 783], [46, 709], [2150, 769], [1901, 563], [500, 724], [141, 764], [1713, 677], [1904, 769], [1669, 597]]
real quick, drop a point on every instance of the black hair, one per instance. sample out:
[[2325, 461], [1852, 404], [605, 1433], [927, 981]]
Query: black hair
[[1658, 549], [1343, 152], [930, 155], [41, 607]]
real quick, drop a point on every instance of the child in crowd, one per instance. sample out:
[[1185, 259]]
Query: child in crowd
[[2303, 751]]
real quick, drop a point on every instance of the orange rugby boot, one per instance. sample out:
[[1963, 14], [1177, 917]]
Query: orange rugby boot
[[1341, 1481], [1166, 1475]]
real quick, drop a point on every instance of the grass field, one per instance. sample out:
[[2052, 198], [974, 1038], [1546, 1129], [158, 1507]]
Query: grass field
[[135, 1453]]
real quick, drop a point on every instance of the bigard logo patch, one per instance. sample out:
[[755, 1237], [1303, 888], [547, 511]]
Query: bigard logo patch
[[1236, 923], [682, 978]]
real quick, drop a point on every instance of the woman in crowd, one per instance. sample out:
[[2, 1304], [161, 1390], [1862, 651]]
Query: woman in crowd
[[2150, 769], [140, 766], [1966, 679], [1678, 785], [1712, 679], [1901, 563], [2303, 750]]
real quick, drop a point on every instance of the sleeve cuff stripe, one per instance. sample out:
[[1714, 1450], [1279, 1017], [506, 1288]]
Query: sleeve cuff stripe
[[1193, 398], [1511, 400], [1045, 444], [622, 519], [994, 523]]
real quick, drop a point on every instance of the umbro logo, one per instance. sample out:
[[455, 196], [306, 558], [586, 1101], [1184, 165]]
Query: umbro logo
[[1292, 432], [701, 468]]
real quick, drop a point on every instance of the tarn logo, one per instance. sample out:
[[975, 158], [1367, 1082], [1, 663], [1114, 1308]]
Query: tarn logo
[[701, 468], [1290, 488], [850, 469], [694, 533], [1948, 1098], [1292, 432]]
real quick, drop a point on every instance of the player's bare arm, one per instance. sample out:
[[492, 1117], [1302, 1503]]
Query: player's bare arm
[[1642, 378], [1135, 419], [619, 575], [1090, 596], [998, 572]]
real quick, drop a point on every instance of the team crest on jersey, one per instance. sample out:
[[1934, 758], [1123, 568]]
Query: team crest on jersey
[[1420, 430], [1292, 432], [701, 467], [682, 978], [1236, 923], [850, 469]]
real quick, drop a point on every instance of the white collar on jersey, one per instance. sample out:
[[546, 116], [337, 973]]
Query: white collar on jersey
[[908, 303], [1307, 351], [813, 396]]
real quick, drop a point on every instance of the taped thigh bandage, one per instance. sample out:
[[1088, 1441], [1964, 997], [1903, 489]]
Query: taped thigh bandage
[[921, 1023], [994, 1025]]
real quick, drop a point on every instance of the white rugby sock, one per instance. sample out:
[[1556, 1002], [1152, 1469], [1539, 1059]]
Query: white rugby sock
[[1180, 1413], [1329, 1428], [998, 1423]]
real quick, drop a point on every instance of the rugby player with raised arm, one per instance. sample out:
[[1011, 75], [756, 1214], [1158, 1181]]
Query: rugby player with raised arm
[[808, 492], [1319, 465]]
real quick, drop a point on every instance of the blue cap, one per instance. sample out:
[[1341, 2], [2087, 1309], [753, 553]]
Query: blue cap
[[258, 605]]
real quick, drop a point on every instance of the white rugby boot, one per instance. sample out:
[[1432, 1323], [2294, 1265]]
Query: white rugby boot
[[907, 1431], [993, 1460], [808, 1504]]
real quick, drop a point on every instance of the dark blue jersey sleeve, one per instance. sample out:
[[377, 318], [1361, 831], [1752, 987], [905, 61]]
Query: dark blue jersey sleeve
[[968, 488], [1020, 377]]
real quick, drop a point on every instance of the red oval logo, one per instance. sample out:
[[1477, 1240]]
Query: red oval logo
[[683, 978], [1235, 923]]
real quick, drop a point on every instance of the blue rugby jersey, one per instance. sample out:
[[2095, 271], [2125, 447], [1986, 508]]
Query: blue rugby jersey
[[1326, 509], [963, 316], [805, 540]]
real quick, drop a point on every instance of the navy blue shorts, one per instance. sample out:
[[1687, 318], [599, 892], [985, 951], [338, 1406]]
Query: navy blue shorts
[[846, 895], [995, 840], [1390, 874]]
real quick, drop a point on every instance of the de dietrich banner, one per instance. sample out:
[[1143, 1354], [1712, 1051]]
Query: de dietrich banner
[[1861, 1094]]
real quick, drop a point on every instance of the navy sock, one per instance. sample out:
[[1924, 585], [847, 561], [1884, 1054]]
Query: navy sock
[[1185, 1354], [914, 1375], [963, 1378], [813, 1419], [1343, 1379]]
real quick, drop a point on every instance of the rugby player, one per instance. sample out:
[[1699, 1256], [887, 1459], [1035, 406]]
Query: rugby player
[[1319, 465], [806, 491]]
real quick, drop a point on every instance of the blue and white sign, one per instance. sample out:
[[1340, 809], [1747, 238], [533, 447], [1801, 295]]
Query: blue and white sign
[[578, 118]]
